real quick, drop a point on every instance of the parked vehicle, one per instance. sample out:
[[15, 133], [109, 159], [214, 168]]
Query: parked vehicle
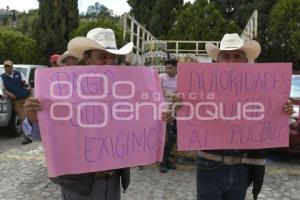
[[294, 121], [8, 118]]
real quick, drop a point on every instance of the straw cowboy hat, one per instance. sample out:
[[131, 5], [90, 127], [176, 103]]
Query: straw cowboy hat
[[61, 58], [98, 38], [231, 42]]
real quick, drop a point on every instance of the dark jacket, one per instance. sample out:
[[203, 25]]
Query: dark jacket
[[15, 85], [256, 172], [83, 183]]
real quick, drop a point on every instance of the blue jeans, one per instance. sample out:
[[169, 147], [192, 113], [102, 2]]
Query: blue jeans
[[216, 181]]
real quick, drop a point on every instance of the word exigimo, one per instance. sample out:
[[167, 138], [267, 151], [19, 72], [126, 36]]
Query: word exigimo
[[135, 110]]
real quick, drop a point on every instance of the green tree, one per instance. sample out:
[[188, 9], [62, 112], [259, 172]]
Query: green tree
[[284, 29], [104, 12], [264, 8], [56, 20], [25, 22], [241, 10], [141, 10], [158, 16], [16, 46], [4, 19], [201, 21], [163, 17], [99, 12], [237, 10]]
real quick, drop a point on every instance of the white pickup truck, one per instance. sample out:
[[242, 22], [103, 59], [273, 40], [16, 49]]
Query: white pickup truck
[[8, 118]]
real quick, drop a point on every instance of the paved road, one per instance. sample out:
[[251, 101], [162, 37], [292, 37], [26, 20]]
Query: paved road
[[24, 177], [7, 142]]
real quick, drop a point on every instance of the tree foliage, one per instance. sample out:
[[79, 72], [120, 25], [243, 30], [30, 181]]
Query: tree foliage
[[141, 10], [285, 32], [237, 10], [25, 22], [4, 19], [19, 48], [47, 30], [158, 16], [201, 21], [56, 20], [278, 26], [241, 10], [98, 12], [163, 17]]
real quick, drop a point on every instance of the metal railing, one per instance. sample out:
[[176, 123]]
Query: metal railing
[[188, 46], [137, 34], [250, 30]]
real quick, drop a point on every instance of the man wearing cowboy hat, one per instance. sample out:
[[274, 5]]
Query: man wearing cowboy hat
[[97, 48], [224, 180]]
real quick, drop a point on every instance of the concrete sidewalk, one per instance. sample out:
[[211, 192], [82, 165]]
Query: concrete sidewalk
[[24, 177]]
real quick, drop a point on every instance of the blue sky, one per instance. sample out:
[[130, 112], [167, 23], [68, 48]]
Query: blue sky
[[118, 6]]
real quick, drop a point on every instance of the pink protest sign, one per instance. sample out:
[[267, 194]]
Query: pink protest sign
[[233, 106], [97, 118]]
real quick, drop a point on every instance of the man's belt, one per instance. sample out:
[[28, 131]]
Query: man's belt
[[230, 160], [103, 174]]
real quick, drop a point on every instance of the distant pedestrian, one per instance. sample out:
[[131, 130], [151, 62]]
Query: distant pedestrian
[[68, 59], [53, 60], [169, 82], [16, 88]]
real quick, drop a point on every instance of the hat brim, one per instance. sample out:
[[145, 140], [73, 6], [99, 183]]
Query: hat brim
[[251, 48], [61, 58], [78, 45]]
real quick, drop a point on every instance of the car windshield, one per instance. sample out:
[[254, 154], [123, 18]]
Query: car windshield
[[20, 69], [295, 88]]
